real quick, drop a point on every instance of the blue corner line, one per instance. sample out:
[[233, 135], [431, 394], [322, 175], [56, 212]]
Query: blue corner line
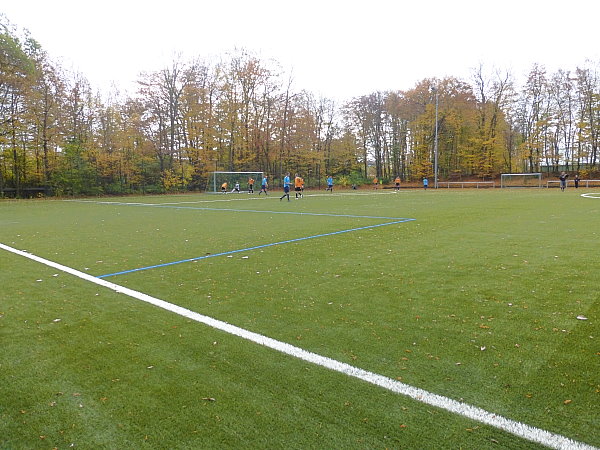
[[198, 258]]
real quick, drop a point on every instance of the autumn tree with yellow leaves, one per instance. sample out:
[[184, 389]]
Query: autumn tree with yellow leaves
[[242, 113]]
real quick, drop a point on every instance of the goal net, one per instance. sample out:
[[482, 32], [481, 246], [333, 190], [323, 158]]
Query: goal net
[[231, 178], [530, 180]]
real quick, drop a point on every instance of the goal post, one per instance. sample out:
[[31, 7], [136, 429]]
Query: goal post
[[231, 178], [520, 180]]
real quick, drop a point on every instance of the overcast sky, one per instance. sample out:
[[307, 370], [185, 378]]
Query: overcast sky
[[335, 48]]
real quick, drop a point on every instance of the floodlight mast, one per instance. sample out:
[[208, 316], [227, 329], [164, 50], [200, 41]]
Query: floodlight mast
[[435, 142]]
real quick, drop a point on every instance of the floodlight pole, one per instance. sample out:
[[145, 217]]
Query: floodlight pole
[[435, 142]]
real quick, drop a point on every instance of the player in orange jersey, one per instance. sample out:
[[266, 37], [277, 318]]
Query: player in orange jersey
[[298, 185]]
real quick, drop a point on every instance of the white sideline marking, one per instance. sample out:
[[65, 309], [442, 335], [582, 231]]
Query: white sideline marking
[[519, 429]]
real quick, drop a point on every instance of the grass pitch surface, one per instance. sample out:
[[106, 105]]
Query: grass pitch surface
[[477, 299]]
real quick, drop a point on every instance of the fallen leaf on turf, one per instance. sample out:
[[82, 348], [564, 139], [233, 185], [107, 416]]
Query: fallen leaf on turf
[[566, 402], [209, 399], [582, 317]]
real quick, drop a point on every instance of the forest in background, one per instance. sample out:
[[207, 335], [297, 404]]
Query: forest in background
[[60, 136]]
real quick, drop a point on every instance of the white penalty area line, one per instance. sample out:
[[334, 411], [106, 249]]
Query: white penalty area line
[[519, 429], [591, 195], [107, 202], [233, 198], [348, 194], [184, 205]]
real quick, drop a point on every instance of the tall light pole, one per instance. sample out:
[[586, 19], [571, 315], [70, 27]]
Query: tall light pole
[[435, 142]]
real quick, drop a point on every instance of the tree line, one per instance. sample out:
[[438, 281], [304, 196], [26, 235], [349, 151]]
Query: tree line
[[240, 113]]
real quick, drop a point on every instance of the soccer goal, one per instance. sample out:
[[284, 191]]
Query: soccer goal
[[528, 180], [231, 178]]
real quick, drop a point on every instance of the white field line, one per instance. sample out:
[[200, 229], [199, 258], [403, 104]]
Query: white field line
[[234, 198], [165, 203], [203, 208], [591, 195], [348, 194], [519, 429]]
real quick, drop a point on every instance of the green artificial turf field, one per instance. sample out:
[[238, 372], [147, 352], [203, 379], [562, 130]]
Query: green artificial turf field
[[485, 297]]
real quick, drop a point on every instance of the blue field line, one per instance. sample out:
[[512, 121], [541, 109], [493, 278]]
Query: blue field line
[[198, 258]]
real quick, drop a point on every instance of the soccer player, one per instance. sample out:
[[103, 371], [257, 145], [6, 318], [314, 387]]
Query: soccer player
[[425, 183], [224, 188], [236, 188], [329, 183], [563, 180], [298, 186], [264, 186], [286, 187], [375, 183], [251, 185], [397, 181]]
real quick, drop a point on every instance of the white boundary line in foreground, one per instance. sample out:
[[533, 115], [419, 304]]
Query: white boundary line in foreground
[[519, 429], [591, 195]]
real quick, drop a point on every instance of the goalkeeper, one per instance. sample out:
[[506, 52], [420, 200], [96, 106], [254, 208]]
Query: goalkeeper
[[563, 180]]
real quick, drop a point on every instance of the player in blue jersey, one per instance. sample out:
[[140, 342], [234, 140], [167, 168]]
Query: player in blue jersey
[[264, 185], [286, 187], [329, 183]]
